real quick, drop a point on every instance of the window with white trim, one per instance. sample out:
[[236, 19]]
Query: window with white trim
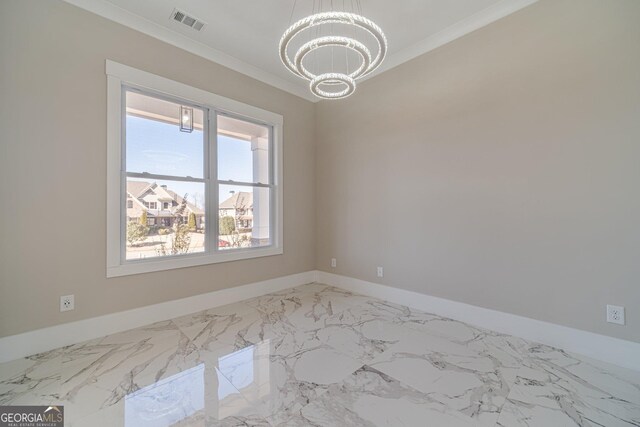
[[194, 178]]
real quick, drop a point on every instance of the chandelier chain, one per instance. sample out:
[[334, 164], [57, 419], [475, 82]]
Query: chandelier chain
[[293, 9]]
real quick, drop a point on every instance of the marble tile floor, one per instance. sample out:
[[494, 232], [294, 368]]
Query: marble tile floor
[[315, 355]]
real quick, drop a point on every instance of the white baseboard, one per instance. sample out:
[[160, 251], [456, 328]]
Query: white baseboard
[[600, 347], [40, 340], [607, 349]]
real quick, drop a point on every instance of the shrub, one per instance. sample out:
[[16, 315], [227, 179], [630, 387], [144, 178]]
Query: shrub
[[192, 222], [143, 218], [227, 225], [136, 233], [181, 239]]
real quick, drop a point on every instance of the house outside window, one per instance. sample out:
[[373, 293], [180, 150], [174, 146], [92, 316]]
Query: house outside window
[[217, 187]]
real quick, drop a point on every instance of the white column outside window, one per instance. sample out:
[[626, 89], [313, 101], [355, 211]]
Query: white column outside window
[[260, 230]]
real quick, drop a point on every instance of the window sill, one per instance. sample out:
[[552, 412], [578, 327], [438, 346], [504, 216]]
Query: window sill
[[182, 261]]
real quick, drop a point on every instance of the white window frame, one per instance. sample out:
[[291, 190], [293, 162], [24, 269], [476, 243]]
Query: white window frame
[[119, 76]]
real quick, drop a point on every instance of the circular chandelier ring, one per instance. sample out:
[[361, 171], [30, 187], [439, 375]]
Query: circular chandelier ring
[[339, 41], [333, 79], [333, 18]]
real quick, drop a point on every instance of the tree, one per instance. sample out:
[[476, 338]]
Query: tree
[[233, 226], [192, 221], [136, 233], [238, 240], [180, 240], [227, 225], [143, 218]]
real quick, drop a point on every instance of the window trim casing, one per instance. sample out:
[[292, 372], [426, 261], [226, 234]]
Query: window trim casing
[[119, 75]]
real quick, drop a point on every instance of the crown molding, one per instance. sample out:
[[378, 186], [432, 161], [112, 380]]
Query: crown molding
[[115, 13], [452, 32]]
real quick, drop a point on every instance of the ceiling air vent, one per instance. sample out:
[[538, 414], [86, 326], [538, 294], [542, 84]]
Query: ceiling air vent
[[187, 20]]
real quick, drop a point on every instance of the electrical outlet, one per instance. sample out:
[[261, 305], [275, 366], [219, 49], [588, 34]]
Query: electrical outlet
[[615, 314], [334, 263], [67, 303], [380, 272]]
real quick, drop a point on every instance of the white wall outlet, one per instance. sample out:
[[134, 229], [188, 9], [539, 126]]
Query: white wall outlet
[[67, 303], [615, 314], [380, 272], [334, 263]]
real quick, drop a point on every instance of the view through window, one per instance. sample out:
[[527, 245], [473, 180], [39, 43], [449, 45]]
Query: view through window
[[244, 184], [169, 180]]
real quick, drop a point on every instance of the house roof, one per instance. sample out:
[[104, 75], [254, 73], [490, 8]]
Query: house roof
[[137, 189], [163, 194], [241, 199], [193, 208]]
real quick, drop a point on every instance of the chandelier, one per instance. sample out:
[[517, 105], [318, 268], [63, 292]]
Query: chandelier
[[332, 50]]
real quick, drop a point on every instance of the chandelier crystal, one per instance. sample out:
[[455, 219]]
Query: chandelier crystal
[[331, 83]]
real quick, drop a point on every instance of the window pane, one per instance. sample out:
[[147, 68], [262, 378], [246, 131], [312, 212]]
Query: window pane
[[243, 151], [154, 142], [244, 214], [159, 223]]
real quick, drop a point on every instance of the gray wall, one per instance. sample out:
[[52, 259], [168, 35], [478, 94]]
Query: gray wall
[[501, 170], [53, 167]]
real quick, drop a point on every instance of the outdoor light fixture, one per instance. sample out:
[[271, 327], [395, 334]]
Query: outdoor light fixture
[[341, 30], [186, 119]]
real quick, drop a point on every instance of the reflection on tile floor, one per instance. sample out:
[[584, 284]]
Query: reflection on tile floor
[[320, 356]]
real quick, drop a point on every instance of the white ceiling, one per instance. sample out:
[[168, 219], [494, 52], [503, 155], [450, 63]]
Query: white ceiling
[[244, 35]]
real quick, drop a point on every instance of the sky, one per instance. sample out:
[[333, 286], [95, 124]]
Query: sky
[[161, 148]]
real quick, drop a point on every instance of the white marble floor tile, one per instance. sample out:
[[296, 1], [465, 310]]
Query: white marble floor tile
[[556, 388], [252, 421], [31, 380], [112, 416], [220, 324], [200, 395], [315, 315], [601, 376], [356, 332], [320, 356], [461, 378], [368, 397], [280, 381], [119, 362], [311, 303], [394, 313]]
